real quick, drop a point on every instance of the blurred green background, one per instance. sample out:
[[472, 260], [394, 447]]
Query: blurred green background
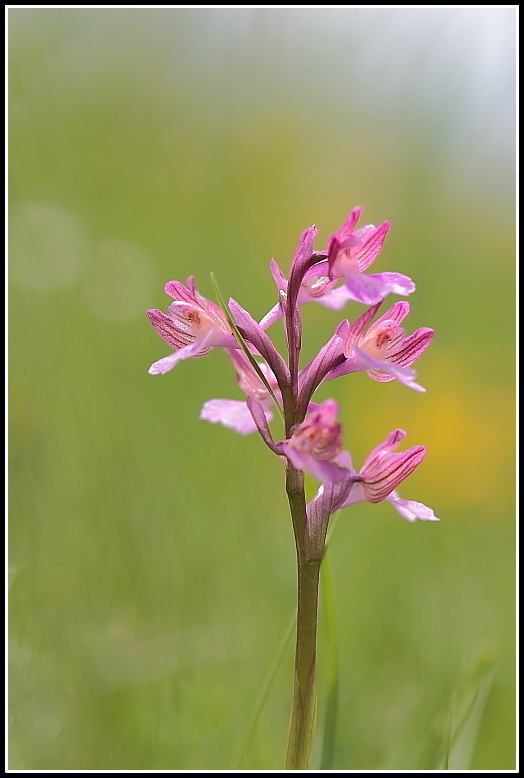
[[151, 558]]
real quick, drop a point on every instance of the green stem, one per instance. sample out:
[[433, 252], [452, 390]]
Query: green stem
[[303, 711]]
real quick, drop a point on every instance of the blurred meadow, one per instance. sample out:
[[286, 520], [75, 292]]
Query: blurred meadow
[[151, 559]]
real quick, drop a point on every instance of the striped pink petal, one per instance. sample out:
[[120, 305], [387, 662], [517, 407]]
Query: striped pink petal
[[357, 329], [410, 348], [383, 477], [366, 254]]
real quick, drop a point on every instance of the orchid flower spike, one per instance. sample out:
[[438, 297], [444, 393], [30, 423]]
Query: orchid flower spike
[[382, 349], [193, 326], [235, 414], [314, 444]]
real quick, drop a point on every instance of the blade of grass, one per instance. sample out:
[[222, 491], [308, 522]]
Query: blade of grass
[[242, 343], [447, 734], [266, 686], [333, 521], [332, 669], [466, 709]]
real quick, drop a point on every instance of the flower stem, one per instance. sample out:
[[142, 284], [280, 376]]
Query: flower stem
[[303, 711]]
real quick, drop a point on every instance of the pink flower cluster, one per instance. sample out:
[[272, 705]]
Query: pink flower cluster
[[312, 442]]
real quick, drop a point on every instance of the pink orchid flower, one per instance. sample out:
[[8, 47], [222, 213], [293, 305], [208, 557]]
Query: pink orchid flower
[[314, 444], [383, 470], [193, 325], [308, 279], [235, 414], [350, 251], [382, 349]]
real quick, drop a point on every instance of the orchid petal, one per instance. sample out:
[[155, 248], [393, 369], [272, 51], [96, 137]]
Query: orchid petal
[[314, 444], [371, 289], [167, 330], [196, 349], [408, 509], [396, 283], [342, 235], [166, 364], [411, 347], [411, 510], [227, 341], [349, 225], [359, 326], [182, 293], [366, 254], [367, 289], [321, 469], [383, 449], [396, 313], [335, 298], [388, 370], [319, 268], [230, 413], [271, 317], [381, 478]]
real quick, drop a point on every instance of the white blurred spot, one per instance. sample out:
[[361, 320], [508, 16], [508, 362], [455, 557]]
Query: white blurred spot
[[48, 247], [120, 286]]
